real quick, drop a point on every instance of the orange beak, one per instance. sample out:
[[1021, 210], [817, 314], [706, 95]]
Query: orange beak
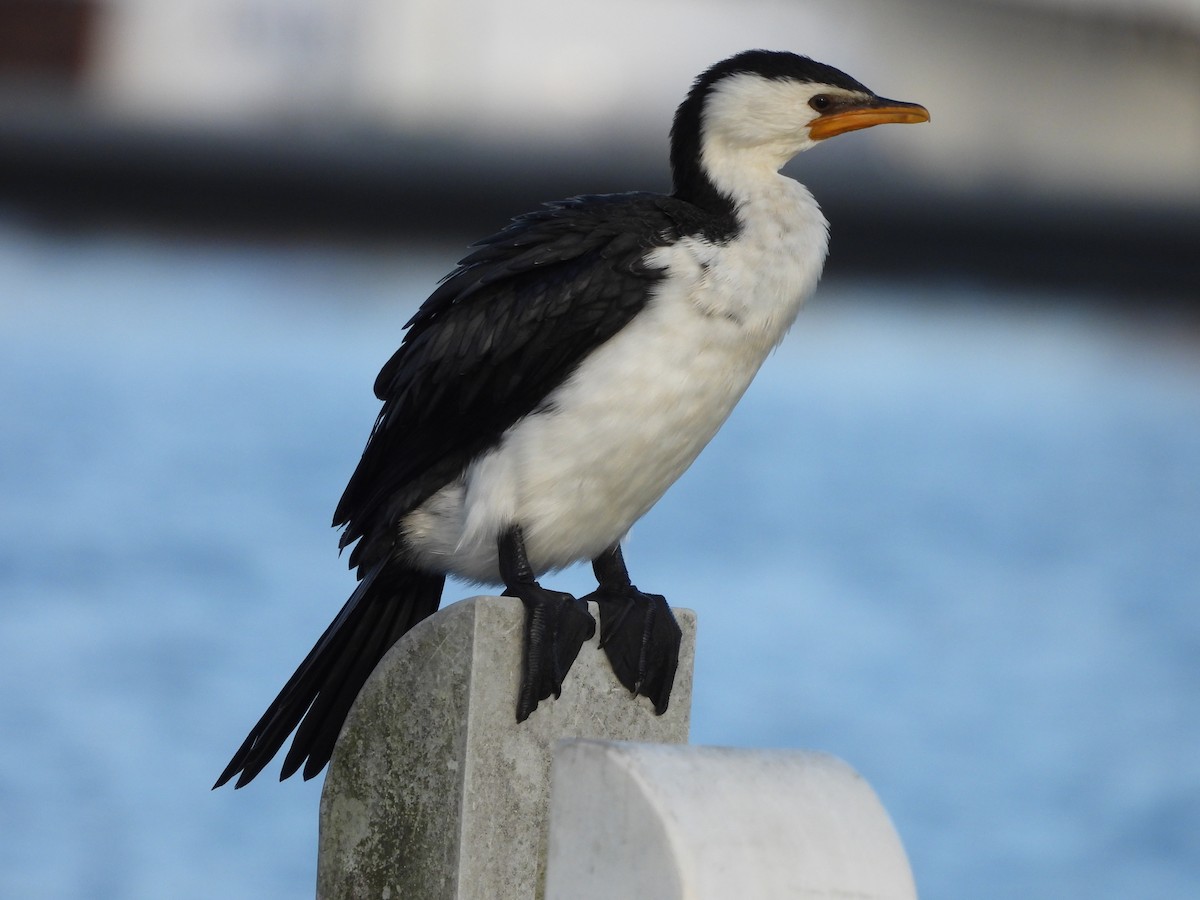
[[878, 112]]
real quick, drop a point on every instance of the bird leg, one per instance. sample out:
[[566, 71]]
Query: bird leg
[[638, 631], [556, 625]]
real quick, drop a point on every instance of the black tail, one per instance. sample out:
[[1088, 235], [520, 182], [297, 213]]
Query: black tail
[[389, 600]]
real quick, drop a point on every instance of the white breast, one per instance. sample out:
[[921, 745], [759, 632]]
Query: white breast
[[636, 413]]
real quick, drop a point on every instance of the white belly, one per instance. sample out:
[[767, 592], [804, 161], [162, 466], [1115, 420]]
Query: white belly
[[609, 442]]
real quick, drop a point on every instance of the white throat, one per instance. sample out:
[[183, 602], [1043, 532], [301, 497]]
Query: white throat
[[750, 131]]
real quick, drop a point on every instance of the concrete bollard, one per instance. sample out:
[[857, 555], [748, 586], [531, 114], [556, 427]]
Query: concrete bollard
[[713, 823], [435, 791]]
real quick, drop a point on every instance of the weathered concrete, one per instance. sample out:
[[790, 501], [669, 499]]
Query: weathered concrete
[[712, 823], [435, 791]]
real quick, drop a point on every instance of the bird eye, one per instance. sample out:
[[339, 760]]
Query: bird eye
[[821, 102]]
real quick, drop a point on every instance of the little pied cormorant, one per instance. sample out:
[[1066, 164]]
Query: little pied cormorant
[[560, 379]]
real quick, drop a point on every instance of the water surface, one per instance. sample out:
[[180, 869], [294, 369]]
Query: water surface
[[951, 535]]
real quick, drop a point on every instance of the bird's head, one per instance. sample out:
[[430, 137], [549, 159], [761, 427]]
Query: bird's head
[[751, 113]]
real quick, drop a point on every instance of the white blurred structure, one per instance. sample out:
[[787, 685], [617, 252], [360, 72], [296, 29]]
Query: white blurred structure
[[1039, 97], [1043, 100]]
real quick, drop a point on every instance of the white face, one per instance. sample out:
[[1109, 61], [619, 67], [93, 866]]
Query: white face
[[764, 121]]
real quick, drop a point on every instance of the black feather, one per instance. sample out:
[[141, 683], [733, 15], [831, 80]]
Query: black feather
[[389, 600]]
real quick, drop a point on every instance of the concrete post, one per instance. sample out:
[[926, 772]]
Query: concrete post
[[434, 791], [713, 823]]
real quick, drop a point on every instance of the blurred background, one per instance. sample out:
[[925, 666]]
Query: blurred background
[[951, 535]]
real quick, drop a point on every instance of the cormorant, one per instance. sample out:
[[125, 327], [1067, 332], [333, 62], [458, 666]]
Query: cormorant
[[560, 379]]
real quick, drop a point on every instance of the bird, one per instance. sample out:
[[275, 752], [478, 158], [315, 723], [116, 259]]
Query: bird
[[559, 380]]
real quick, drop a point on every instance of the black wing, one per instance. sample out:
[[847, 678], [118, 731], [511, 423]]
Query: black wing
[[500, 332]]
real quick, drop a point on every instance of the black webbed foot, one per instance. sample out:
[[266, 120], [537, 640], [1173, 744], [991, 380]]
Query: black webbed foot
[[638, 632], [556, 626]]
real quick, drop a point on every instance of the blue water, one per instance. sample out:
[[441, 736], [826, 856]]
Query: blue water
[[951, 536]]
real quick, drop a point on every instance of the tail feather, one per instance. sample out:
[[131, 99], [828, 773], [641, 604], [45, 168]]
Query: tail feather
[[389, 600], [321, 743], [314, 740], [297, 695]]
